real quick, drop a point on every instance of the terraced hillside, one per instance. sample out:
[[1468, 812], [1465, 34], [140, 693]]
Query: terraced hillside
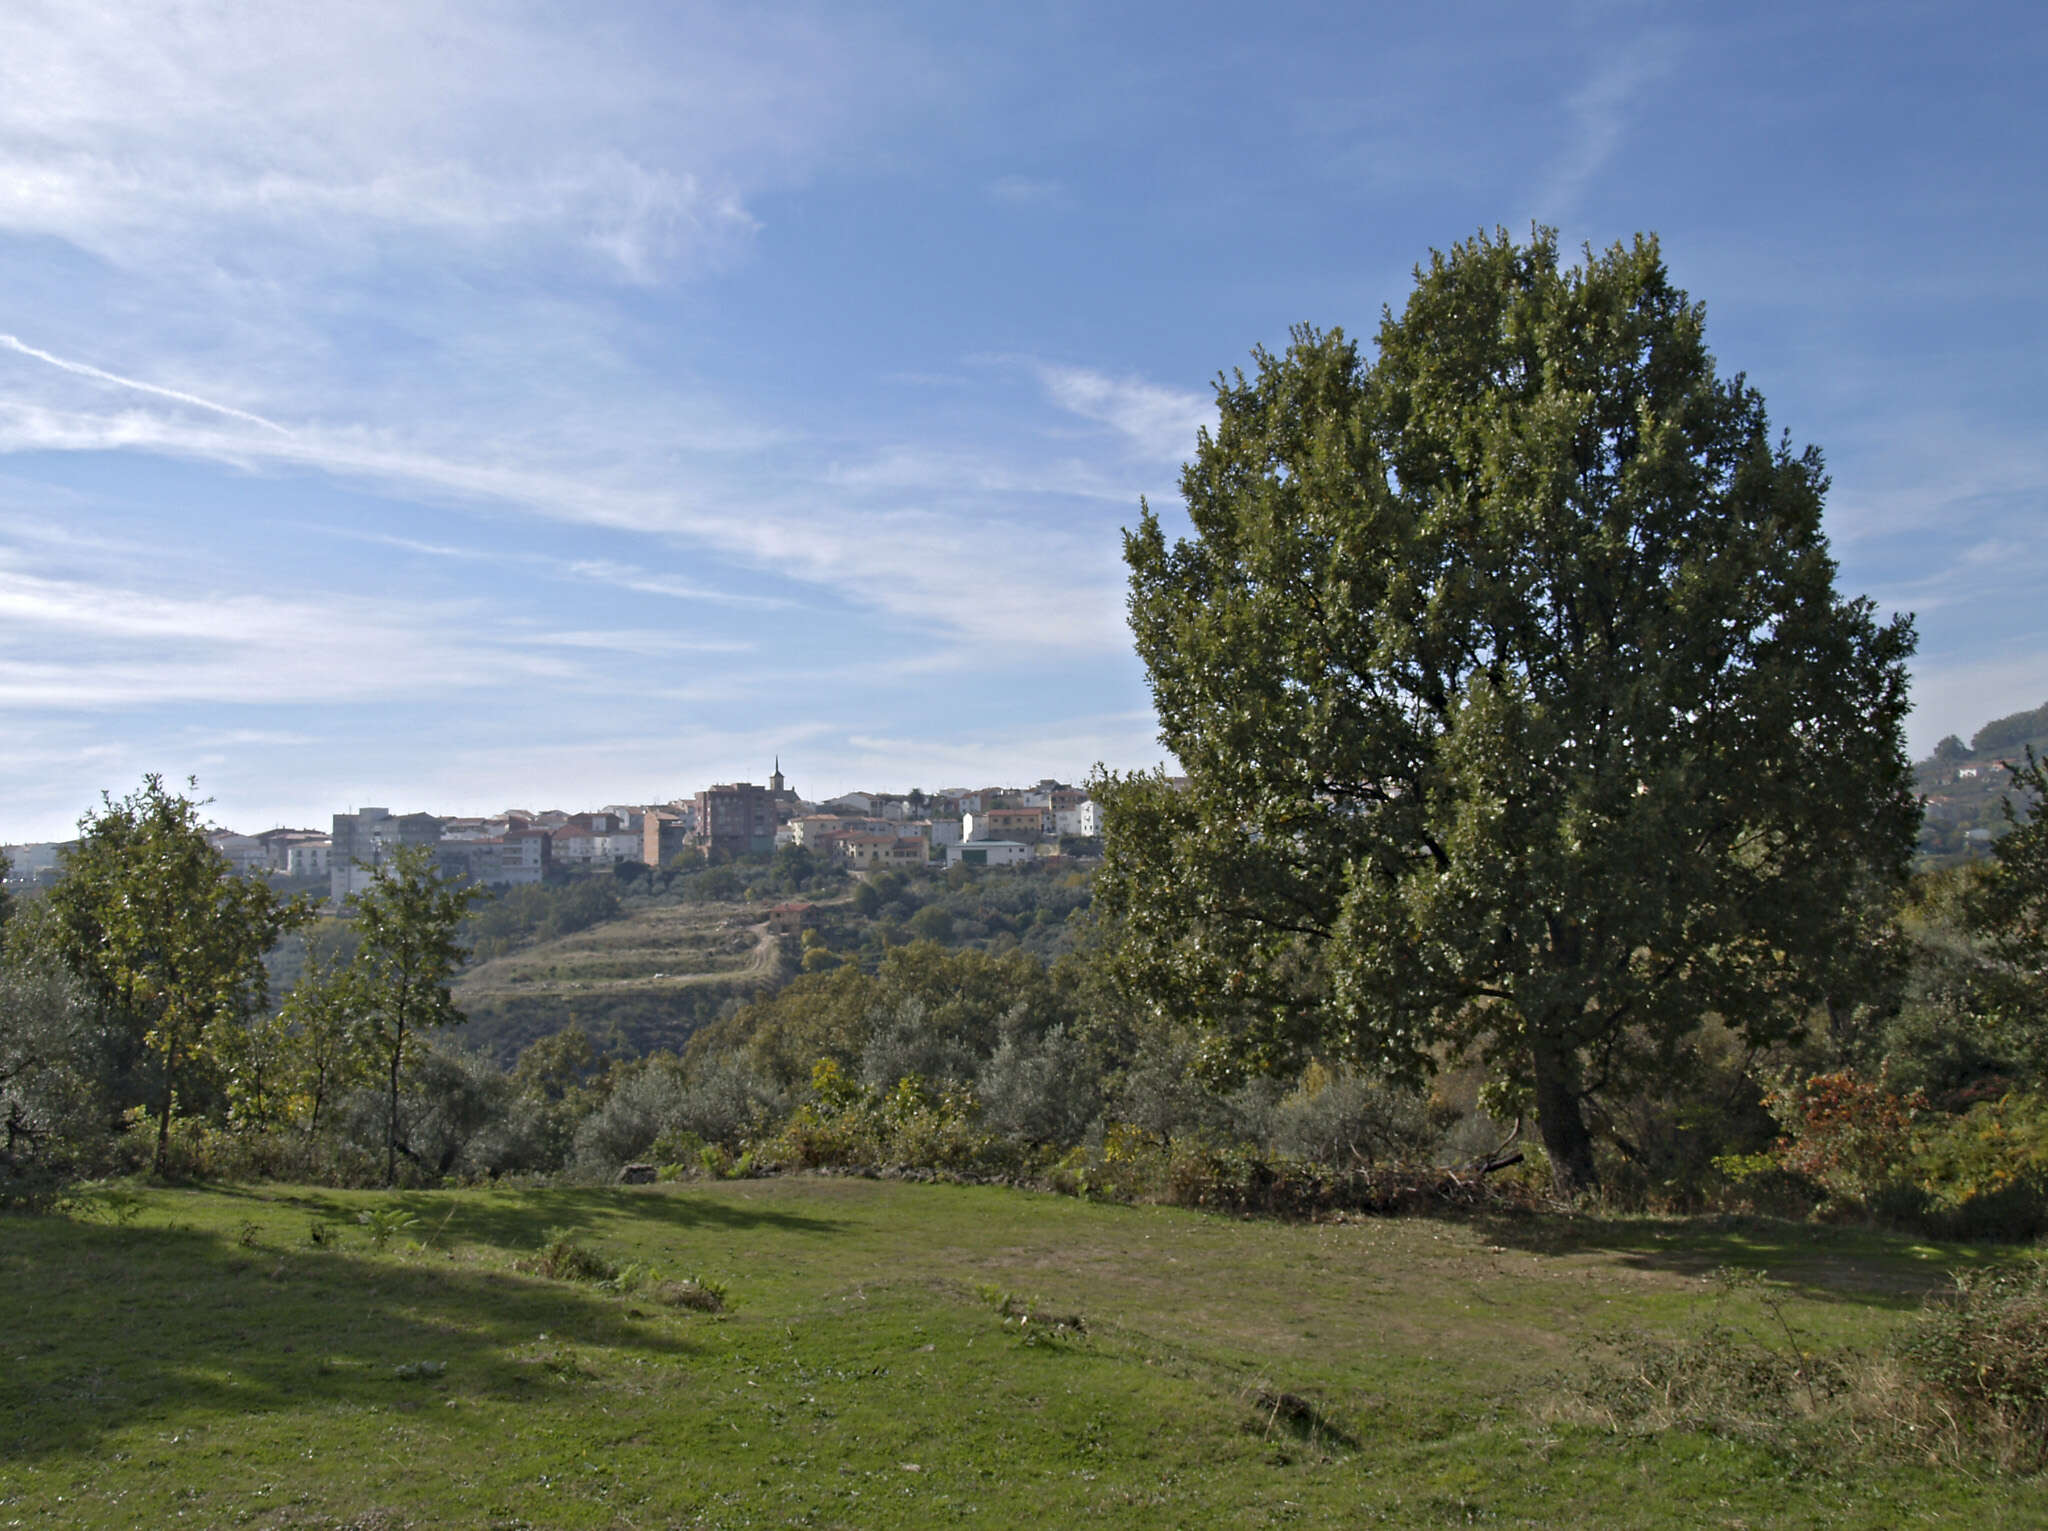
[[654, 976]]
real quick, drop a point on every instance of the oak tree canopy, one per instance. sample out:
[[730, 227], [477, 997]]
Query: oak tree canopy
[[1520, 715]]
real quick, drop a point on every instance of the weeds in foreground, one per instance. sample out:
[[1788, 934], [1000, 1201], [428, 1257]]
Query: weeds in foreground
[[1037, 1324], [1276, 1411], [565, 1258], [1965, 1384], [383, 1224], [1980, 1361], [699, 1293], [113, 1205]]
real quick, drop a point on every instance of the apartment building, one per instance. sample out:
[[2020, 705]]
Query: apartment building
[[736, 818], [366, 839]]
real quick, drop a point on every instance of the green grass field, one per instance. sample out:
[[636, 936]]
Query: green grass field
[[193, 1358]]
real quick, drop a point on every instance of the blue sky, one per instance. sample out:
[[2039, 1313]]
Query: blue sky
[[463, 406]]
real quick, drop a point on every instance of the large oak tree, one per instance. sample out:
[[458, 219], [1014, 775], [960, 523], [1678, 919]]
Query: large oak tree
[[1520, 714]]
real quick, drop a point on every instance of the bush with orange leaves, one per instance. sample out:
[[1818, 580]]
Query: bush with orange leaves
[[1853, 1137]]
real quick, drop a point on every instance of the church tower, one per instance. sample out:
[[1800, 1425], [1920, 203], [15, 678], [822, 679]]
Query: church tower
[[775, 781]]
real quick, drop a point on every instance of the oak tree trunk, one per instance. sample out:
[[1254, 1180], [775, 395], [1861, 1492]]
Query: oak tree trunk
[[1561, 1119]]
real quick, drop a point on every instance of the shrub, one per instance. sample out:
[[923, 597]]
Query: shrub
[[383, 1224], [1045, 1090], [640, 1107], [1350, 1119], [1983, 1355], [908, 1044], [1967, 1383], [1118, 1162], [1985, 1173], [1717, 1379], [1851, 1137], [55, 1065], [915, 1123], [564, 1258]]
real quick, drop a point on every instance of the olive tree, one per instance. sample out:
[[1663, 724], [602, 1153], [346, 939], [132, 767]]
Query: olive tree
[[1520, 715], [54, 1076]]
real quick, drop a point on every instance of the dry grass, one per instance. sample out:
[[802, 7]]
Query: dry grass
[[1963, 1385]]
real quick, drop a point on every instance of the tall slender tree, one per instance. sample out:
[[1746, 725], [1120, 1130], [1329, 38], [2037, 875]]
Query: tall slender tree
[[405, 962], [1520, 715]]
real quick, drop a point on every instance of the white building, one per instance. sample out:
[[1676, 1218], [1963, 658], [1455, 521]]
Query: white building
[[247, 854], [596, 840], [990, 853], [308, 858]]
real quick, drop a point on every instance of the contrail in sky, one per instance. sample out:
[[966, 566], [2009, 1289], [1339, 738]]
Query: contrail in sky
[[9, 342]]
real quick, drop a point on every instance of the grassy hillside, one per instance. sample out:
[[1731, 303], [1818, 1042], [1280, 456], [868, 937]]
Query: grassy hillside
[[655, 974], [906, 1355], [652, 966]]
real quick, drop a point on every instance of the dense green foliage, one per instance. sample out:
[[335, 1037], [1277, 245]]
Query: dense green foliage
[[538, 912], [2011, 904], [57, 1067], [1520, 715], [163, 933]]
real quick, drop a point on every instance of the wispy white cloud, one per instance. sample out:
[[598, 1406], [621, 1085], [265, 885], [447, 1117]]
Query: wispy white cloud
[[137, 134], [1054, 590], [80, 369], [85, 645], [268, 183], [1159, 422], [646, 582], [1599, 113], [646, 642], [964, 473]]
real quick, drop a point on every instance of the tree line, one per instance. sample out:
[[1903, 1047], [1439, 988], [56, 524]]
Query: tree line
[[141, 989]]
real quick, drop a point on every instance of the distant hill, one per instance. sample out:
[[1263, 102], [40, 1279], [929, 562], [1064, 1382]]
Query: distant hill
[[1964, 787], [2012, 733]]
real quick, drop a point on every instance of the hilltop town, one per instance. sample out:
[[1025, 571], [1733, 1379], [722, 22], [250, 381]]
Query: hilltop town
[[987, 826]]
